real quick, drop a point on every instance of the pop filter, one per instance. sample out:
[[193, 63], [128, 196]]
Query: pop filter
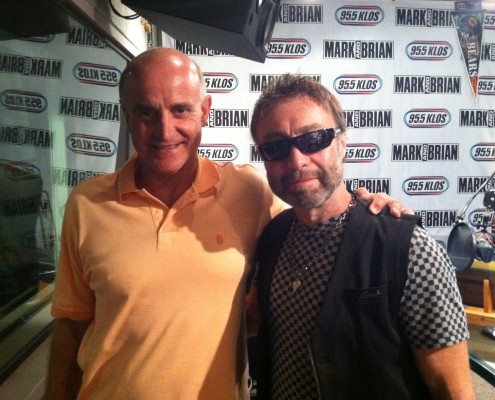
[[461, 246]]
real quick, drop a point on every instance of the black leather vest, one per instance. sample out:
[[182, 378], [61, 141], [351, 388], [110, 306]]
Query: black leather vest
[[357, 345]]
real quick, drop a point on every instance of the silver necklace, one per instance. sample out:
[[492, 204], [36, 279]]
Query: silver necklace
[[299, 272]]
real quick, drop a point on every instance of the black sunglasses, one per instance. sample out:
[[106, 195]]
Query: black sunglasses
[[310, 142]]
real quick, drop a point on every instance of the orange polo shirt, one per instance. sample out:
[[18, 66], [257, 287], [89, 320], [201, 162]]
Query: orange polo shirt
[[164, 287]]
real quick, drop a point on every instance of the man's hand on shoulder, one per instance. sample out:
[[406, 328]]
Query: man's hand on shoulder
[[381, 200]]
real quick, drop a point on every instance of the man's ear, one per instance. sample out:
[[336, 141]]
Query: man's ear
[[205, 110], [342, 140], [126, 114]]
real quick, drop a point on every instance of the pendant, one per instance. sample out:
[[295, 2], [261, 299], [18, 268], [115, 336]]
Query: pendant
[[295, 285]]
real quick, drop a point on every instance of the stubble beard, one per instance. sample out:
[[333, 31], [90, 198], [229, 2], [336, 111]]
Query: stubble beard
[[309, 198]]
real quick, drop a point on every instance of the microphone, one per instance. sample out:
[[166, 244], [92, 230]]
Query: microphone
[[464, 245], [485, 247]]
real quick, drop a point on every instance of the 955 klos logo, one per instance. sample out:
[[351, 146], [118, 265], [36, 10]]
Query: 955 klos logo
[[359, 15], [361, 153], [220, 82], [425, 185], [91, 145], [357, 84], [477, 216], [288, 48], [483, 151], [218, 152], [23, 101], [429, 50], [97, 74], [427, 118]]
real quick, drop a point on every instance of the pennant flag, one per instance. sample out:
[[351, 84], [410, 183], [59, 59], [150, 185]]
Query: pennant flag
[[469, 26]]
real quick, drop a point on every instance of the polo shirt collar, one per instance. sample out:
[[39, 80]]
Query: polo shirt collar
[[206, 178]]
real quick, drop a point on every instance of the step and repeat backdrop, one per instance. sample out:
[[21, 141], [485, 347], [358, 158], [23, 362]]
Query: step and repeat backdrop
[[416, 80], [59, 125]]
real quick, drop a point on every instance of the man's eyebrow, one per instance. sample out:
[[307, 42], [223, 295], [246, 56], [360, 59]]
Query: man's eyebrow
[[275, 135], [308, 128], [185, 104], [140, 106]]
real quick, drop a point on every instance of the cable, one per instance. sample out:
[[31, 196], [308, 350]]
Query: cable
[[134, 16]]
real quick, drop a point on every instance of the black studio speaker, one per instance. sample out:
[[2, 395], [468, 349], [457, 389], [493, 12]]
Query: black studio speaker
[[29, 18], [238, 27]]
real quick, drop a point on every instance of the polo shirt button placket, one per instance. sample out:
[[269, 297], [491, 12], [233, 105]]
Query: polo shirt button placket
[[167, 231]]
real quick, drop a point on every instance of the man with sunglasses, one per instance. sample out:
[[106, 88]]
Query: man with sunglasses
[[350, 305], [149, 298]]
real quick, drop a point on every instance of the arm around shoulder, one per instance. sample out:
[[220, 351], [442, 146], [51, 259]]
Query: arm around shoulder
[[252, 316], [378, 201], [64, 374], [446, 371]]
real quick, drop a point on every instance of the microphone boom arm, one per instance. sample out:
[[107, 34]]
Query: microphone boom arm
[[463, 212]]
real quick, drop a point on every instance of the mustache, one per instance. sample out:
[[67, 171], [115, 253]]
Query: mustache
[[301, 174]]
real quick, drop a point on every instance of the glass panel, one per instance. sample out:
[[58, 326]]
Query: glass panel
[[59, 124]]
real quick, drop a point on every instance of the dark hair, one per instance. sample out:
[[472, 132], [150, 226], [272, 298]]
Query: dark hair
[[293, 85]]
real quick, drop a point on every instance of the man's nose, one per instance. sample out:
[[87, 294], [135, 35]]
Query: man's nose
[[296, 158], [164, 126]]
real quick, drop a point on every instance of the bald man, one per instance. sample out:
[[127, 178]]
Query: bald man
[[150, 289]]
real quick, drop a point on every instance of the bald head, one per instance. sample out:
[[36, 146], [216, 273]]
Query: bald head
[[169, 59], [165, 110]]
